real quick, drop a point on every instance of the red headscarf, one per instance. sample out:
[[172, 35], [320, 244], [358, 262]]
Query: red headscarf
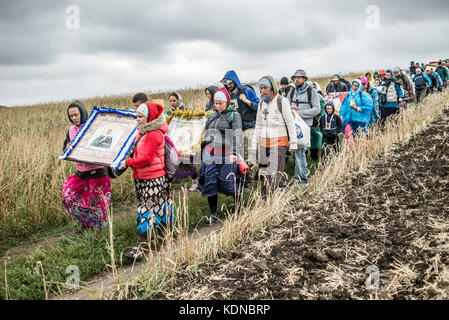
[[154, 110]]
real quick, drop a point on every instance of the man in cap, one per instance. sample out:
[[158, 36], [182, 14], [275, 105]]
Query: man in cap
[[285, 87], [305, 101], [422, 82], [336, 85], [412, 67]]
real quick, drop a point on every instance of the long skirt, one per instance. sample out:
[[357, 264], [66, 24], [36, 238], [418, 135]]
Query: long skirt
[[87, 200], [155, 208], [218, 175]]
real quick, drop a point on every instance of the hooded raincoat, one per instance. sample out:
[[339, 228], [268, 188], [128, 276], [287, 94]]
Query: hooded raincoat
[[363, 101], [247, 112]]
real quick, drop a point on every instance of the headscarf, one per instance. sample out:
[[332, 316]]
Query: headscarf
[[82, 110], [226, 93], [272, 84], [177, 96]]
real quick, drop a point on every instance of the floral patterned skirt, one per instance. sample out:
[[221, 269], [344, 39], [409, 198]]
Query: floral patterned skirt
[[87, 200]]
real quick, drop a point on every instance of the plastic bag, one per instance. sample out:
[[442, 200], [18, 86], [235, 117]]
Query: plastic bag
[[302, 132]]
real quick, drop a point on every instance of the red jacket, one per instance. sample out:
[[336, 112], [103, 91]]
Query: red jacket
[[148, 160]]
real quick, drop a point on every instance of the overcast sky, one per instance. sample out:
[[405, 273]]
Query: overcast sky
[[131, 46]]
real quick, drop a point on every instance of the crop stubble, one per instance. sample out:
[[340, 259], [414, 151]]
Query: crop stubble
[[393, 216]]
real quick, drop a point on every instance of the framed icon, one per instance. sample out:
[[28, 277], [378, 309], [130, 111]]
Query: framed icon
[[105, 139]]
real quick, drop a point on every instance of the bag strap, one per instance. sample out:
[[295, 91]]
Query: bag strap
[[309, 96], [279, 101], [229, 123], [131, 153]]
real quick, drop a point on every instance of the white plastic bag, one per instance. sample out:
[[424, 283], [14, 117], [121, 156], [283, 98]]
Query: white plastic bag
[[302, 131]]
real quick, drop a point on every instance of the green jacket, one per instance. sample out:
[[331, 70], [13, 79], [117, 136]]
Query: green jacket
[[316, 136], [443, 72]]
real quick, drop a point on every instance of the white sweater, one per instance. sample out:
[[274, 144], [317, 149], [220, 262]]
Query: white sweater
[[276, 124]]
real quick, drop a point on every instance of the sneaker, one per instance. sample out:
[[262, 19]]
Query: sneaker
[[351, 154], [213, 219], [193, 188], [135, 254]]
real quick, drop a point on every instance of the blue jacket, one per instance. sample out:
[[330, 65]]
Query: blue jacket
[[363, 101], [420, 81], [439, 79], [248, 112], [375, 113]]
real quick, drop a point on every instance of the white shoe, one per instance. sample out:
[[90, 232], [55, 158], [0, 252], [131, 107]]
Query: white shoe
[[193, 188], [135, 254]]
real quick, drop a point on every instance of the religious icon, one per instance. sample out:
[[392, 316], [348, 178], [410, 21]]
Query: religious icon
[[105, 138]]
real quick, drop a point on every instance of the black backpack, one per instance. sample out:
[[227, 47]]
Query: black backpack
[[250, 114], [347, 83], [309, 98]]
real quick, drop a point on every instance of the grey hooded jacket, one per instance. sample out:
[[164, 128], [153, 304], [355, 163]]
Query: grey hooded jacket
[[298, 98]]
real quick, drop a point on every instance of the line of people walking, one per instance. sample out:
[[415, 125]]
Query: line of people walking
[[258, 128]]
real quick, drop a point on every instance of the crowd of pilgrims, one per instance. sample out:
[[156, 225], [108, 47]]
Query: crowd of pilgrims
[[246, 128]]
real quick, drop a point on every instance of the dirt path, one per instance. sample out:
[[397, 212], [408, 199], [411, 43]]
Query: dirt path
[[30, 245], [383, 235], [102, 283]]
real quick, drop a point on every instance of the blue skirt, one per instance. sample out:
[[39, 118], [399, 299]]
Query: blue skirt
[[218, 175]]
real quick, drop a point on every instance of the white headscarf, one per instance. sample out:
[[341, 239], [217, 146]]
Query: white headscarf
[[143, 109]]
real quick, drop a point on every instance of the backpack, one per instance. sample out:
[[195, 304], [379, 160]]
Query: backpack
[[171, 157], [309, 98], [250, 114], [347, 83]]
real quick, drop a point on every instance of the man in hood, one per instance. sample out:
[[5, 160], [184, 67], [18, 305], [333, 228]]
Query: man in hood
[[247, 103]]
